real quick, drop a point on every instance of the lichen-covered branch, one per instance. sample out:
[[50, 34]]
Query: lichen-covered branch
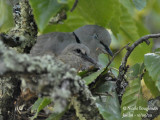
[[54, 79], [23, 35]]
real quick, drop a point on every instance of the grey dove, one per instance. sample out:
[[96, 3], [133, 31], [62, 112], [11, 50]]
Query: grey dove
[[77, 56], [92, 36]]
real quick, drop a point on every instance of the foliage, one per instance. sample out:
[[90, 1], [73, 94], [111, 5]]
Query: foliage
[[152, 62], [39, 105], [124, 19], [134, 106], [108, 105]]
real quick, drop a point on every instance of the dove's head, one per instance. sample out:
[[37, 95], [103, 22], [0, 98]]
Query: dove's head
[[79, 50], [94, 37]]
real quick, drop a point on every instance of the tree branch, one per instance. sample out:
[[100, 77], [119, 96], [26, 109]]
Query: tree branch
[[24, 34], [121, 83]]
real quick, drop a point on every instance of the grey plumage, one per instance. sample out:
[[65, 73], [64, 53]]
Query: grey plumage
[[52, 42], [92, 36]]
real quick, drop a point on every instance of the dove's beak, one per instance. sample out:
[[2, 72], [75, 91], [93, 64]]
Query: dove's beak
[[109, 50], [88, 58]]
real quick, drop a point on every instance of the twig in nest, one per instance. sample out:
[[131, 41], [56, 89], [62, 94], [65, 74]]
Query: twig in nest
[[74, 5]]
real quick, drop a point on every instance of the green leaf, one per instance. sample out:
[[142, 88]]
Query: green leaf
[[136, 56], [103, 60], [96, 11], [109, 108], [139, 4], [133, 30], [43, 10], [135, 71], [108, 105], [128, 26], [151, 84], [55, 116], [129, 5], [152, 63], [92, 77], [133, 101], [39, 105], [115, 21], [6, 16], [142, 29]]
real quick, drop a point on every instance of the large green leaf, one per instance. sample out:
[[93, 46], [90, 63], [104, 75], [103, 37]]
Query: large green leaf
[[128, 26], [6, 16], [139, 4], [92, 77], [137, 30], [132, 99], [39, 105], [103, 60], [152, 63], [133, 104], [115, 21], [55, 116], [96, 11], [151, 85], [43, 10], [137, 56], [135, 71], [108, 105]]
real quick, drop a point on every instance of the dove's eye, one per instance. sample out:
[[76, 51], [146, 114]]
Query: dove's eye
[[78, 50], [95, 36]]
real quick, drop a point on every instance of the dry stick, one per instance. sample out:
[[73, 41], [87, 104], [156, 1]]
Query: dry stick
[[74, 5]]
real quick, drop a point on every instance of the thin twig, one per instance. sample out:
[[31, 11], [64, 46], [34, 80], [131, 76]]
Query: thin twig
[[113, 58], [74, 5], [116, 55]]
